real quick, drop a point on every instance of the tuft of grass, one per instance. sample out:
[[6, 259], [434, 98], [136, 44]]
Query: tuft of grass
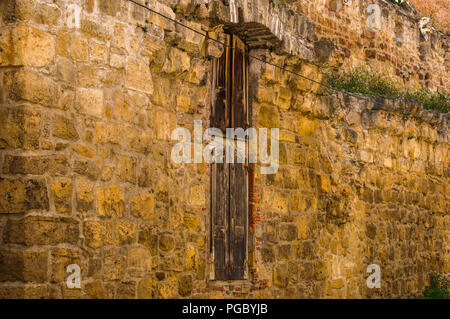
[[363, 81], [431, 100], [438, 289]]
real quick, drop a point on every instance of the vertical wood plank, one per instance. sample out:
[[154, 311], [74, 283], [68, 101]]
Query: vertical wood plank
[[218, 107], [220, 219], [238, 213], [238, 191], [238, 105]]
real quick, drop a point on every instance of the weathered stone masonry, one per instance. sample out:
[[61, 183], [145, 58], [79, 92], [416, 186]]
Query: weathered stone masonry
[[87, 104]]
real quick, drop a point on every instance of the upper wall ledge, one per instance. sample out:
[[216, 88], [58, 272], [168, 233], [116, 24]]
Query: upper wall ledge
[[406, 107], [294, 22]]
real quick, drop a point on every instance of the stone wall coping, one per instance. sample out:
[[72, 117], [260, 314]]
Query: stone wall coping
[[403, 106]]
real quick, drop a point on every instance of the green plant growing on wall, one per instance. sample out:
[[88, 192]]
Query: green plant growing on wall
[[364, 81], [431, 100], [438, 289]]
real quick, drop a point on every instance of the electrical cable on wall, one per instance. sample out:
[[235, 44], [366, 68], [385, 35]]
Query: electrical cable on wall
[[257, 58]]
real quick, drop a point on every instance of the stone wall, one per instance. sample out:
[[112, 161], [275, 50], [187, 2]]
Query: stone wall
[[359, 184], [387, 36], [88, 102]]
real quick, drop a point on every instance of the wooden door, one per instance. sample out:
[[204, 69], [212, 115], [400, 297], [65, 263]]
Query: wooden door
[[229, 182]]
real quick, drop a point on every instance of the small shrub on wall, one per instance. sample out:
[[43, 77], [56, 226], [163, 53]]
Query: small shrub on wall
[[438, 289], [364, 81]]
